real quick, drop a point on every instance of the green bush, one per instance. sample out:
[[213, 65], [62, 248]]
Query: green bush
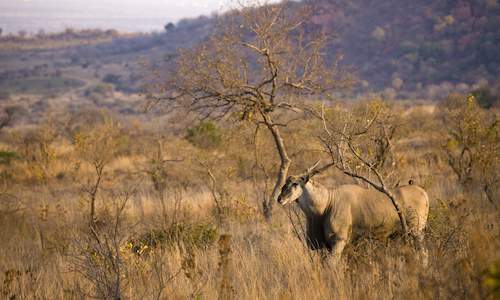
[[99, 92], [205, 135], [6, 157], [492, 279], [197, 235], [485, 97]]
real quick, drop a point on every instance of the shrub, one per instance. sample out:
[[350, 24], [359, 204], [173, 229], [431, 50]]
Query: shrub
[[379, 34], [112, 79], [99, 92], [205, 135], [98, 146], [473, 143], [101, 143], [197, 235], [37, 150], [7, 156], [485, 97], [492, 279]]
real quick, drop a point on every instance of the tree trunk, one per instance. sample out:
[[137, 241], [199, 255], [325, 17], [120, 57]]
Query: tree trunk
[[284, 165], [99, 167], [92, 211]]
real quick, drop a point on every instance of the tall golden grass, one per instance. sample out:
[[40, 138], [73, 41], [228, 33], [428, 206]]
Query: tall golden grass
[[170, 244]]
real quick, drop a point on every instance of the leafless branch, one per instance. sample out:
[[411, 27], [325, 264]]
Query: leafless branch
[[254, 65], [352, 161]]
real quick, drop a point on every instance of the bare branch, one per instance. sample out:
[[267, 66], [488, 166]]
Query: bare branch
[[351, 163], [255, 65]]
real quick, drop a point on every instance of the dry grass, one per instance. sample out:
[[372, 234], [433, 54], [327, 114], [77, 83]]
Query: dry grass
[[163, 245]]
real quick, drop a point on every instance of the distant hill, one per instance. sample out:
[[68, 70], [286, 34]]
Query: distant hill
[[410, 44], [409, 49], [424, 48]]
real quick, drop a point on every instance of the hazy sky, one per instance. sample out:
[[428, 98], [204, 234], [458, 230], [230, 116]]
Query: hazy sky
[[141, 15], [173, 8]]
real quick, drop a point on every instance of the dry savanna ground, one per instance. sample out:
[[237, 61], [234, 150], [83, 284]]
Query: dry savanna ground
[[178, 209]]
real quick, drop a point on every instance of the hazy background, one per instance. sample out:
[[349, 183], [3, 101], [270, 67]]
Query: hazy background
[[124, 15]]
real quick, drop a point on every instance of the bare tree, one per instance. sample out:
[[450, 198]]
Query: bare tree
[[256, 65], [98, 146], [360, 144], [217, 191], [157, 170]]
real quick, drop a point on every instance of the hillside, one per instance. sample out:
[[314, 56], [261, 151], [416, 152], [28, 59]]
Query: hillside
[[420, 42], [423, 49]]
